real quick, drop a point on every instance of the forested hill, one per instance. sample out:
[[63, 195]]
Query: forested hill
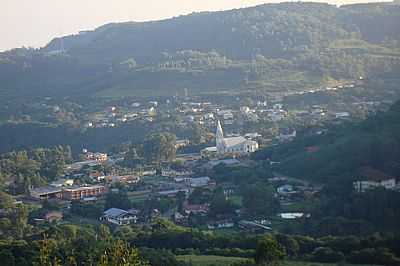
[[268, 47], [271, 30], [343, 150]]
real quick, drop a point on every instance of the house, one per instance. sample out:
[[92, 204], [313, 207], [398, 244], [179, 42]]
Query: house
[[126, 179], [199, 181], [209, 152], [96, 156], [195, 208], [67, 193], [96, 175], [369, 178], [48, 192], [175, 173], [225, 114], [293, 215], [63, 183], [79, 165], [245, 109], [149, 172], [77, 193], [181, 143], [220, 224], [342, 115], [180, 219], [119, 217], [285, 190]]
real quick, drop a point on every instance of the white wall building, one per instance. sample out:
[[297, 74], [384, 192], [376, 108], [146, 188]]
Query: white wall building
[[234, 144], [119, 217], [369, 178]]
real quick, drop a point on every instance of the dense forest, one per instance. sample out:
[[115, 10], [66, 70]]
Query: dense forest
[[268, 47]]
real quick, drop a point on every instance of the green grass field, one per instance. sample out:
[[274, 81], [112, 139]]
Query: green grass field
[[203, 260], [302, 263], [207, 260]]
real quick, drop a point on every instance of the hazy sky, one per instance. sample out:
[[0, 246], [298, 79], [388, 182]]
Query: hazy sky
[[36, 22]]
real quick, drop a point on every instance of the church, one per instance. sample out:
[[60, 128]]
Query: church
[[238, 145]]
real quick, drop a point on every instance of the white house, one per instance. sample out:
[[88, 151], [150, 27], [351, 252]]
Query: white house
[[342, 115], [293, 215], [199, 181], [225, 114], [369, 178], [119, 217]]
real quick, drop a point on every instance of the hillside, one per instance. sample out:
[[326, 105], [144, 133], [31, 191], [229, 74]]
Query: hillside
[[343, 150], [272, 47]]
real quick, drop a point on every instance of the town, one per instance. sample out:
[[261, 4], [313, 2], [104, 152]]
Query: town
[[200, 133], [186, 184]]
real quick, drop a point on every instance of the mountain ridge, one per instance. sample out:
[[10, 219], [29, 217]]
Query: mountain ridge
[[267, 47]]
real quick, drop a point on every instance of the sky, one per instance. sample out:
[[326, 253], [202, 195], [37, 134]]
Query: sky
[[33, 23]]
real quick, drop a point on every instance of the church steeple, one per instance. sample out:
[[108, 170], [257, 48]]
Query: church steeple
[[219, 136]]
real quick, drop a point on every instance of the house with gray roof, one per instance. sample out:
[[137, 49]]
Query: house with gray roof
[[119, 217]]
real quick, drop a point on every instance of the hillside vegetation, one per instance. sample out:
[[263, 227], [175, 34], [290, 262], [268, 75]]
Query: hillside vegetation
[[344, 149], [272, 47]]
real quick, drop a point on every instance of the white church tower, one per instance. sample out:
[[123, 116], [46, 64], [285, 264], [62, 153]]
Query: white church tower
[[220, 142]]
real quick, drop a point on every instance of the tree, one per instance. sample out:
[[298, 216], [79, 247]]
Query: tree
[[220, 205], [259, 199], [159, 257], [121, 254], [197, 134], [7, 257], [290, 244], [131, 158], [180, 198], [46, 248], [268, 251], [104, 233], [200, 196], [118, 200], [19, 218], [6, 201], [327, 255], [159, 146]]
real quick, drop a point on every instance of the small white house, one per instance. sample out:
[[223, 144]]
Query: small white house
[[369, 178], [342, 115]]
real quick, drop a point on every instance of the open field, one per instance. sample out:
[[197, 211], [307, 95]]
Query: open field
[[302, 263], [206, 260], [203, 260]]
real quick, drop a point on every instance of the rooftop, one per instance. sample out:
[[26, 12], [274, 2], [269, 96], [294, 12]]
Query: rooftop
[[372, 174], [233, 141], [114, 212], [83, 188]]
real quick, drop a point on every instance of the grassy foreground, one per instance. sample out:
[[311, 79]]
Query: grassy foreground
[[203, 260], [208, 260]]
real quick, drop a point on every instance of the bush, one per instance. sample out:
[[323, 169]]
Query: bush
[[380, 256], [327, 255]]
